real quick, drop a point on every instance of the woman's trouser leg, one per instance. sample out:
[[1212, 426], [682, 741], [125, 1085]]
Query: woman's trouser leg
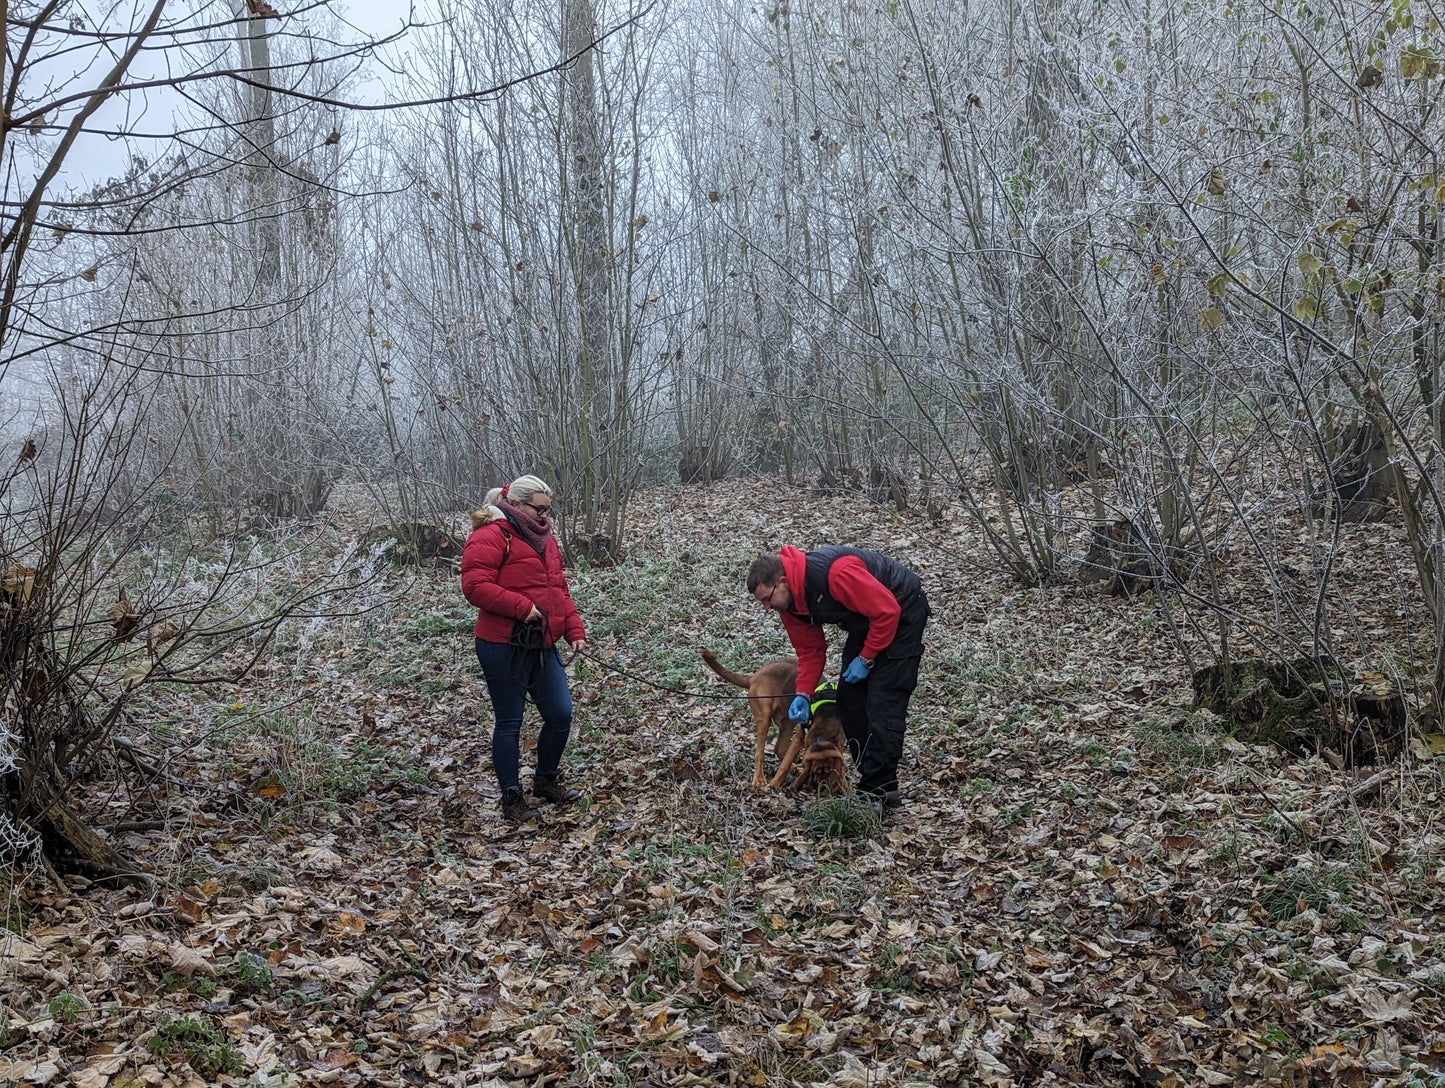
[[508, 699], [554, 700]]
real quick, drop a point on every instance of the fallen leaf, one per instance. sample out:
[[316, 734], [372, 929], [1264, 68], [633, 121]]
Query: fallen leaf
[[346, 924], [853, 1074], [990, 1069], [192, 910], [700, 941], [1380, 1008], [134, 673], [189, 962]]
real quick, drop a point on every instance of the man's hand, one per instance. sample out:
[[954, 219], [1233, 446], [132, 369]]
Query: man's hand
[[857, 670], [800, 711]]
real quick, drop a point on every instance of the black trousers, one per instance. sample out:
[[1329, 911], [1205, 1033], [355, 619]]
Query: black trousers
[[875, 710]]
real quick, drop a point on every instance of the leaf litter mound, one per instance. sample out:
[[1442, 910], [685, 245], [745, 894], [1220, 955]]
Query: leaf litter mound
[[1089, 882]]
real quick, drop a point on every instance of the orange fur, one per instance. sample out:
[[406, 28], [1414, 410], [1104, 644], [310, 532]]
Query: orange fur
[[770, 690]]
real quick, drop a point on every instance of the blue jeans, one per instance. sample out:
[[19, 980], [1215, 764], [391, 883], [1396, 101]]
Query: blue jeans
[[512, 675]]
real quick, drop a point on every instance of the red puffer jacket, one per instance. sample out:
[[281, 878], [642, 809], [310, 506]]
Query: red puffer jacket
[[504, 577]]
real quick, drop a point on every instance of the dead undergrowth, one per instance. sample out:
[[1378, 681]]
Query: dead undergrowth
[[1089, 884]]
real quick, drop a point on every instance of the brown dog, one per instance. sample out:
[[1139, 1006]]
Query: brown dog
[[823, 770], [770, 689]]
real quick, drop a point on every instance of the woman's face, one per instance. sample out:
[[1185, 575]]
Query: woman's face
[[538, 507]]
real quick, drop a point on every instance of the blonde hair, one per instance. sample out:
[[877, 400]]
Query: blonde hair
[[519, 490]]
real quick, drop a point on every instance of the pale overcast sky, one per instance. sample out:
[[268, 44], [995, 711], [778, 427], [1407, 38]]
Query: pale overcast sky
[[96, 158]]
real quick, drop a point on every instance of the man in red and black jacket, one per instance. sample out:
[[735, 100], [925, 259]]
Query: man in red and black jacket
[[880, 603]]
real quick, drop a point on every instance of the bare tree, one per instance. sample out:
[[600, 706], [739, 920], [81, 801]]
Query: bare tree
[[518, 314], [101, 330]]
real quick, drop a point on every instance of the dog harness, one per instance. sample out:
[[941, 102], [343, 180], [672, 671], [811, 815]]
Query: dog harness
[[826, 695]]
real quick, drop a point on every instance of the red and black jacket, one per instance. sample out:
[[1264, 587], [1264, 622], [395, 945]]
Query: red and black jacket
[[861, 591]]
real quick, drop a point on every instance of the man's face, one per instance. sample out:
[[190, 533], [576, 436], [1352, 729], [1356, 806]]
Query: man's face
[[775, 596]]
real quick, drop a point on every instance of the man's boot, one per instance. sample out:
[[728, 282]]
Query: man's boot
[[882, 803], [549, 788]]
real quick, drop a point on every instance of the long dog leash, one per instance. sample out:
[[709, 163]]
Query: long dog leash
[[653, 684]]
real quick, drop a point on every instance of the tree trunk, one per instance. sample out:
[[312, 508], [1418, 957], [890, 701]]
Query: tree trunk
[[40, 802], [591, 261], [48, 716], [260, 132]]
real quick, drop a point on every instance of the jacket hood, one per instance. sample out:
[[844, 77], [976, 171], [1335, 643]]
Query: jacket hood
[[795, 569]]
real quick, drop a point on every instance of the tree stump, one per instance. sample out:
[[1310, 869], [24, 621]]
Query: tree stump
[[701, 464], [886, 484], [71, 842], [1379, 725], [294, 498], [1305, 707], [598, 550], [51, 730], [1118, 556], [1024, 463], [418, 544], [1361, 473]]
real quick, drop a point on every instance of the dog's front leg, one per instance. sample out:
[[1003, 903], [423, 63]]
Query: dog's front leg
[[785, 763]]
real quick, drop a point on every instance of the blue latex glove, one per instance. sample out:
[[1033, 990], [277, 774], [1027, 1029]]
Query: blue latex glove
[[800, 711], [855, 671]]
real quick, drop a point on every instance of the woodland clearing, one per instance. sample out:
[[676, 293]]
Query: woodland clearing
[[1090, 883]]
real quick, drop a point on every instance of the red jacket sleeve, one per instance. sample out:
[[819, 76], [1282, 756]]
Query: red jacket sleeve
[[481, 563], [854, 588], [811, 646]]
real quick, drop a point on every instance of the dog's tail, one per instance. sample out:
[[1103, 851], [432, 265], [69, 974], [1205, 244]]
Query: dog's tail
[[741, 679]]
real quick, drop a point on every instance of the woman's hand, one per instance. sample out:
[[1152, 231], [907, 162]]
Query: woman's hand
[[533, 616], [579, 645]]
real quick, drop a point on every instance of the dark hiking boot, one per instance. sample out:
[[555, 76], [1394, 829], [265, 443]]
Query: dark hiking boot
[[549, 788], [514, 807], [883, 803]]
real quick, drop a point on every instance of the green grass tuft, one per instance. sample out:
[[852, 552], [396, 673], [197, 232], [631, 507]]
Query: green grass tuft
[[841, 818]]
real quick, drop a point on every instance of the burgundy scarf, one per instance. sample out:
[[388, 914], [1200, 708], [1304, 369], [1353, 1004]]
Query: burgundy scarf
[[526, 527]]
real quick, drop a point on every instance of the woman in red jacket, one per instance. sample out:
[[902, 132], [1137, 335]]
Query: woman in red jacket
[[512, 572]]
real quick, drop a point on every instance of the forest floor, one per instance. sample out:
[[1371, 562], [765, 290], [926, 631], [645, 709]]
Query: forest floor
[[1089, 883]]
